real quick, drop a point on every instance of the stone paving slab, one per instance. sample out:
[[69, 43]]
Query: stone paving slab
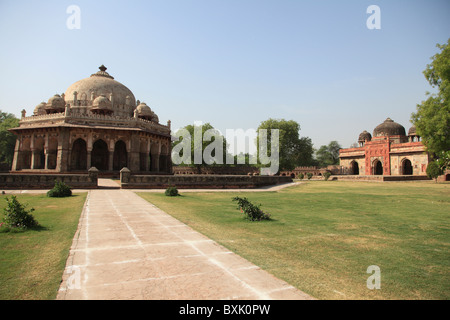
[[126, 248]]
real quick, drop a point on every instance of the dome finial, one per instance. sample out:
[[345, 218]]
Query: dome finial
[[102, 72]]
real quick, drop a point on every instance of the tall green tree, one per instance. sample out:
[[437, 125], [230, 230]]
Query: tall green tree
[[293, 150], [206, 143], [7, 139], [328, 154], [432, 118]]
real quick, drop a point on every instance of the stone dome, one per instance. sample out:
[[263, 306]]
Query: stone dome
[[412, 131], [56, 103], [155, 117], [364, 136], [102, 103], [98, 84], [389, 128], [40, 109], [143, 110]]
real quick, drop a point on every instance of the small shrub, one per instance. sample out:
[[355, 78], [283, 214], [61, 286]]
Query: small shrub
[[60, 190], [252, 212], [326, 175], [301, 176], [172, 192], [309, 175], [17, 217]]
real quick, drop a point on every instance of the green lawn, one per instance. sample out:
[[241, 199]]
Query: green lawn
[[32, 262], [325, 234]]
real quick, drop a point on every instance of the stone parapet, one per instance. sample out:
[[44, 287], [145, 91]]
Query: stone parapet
[[379, 178], [23, 181], [228, 170], [198, 181], [76, 118]]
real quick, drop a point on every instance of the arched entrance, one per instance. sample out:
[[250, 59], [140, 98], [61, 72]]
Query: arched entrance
[[100, 155], [79, 155], [163, 159], [38, 154], [154, 157], [120, 155], [378, 168], [144, 154], [25, 154], [52, 153], [354, 168], [407, 167]]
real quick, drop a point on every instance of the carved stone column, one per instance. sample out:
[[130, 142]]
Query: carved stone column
[[62, 162], [46, 153], [88, 158], [110, 159], [46, 158]]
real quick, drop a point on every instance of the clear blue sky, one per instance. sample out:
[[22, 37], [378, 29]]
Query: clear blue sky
[[233, 63]]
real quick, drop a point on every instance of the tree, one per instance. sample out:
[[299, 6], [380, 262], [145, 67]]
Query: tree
[[246, 158], [293, 150], [7, 139], [328, 154], [434, 170], [206, 144], [432, 119]]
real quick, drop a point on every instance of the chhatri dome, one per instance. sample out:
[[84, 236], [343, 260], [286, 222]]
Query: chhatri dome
[[143, 111], [55, 104], [364, 136], [101, 105]]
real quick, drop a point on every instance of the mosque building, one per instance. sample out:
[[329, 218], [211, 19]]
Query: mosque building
[[389, 151]]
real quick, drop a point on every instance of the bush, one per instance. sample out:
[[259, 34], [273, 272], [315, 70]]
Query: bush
[[17, 217], [301, 176], [172, 192], [59, 190], [309, 175], [326, 175], [252, 212]]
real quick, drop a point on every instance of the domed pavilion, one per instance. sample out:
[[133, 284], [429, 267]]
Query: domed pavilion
[[98, 123], [388, 151]]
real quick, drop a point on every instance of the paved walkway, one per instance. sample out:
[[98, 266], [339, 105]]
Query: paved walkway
[[126, 248]]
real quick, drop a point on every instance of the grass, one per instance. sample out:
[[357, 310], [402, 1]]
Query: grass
[[325, 234], [32, 262]]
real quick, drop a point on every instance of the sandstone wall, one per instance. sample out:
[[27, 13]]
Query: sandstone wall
[[198, 181]]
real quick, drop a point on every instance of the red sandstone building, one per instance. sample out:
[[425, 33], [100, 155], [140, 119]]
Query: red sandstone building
[[388, 152]]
